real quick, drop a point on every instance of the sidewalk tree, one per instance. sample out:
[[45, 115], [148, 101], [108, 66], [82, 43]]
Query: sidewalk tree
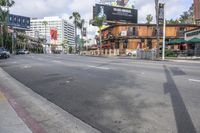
[[149, 18], [45, 23], [76, 19], [81, 26], [188, 16], [171, 21], [99, 22], [4, 12], [65, 44]]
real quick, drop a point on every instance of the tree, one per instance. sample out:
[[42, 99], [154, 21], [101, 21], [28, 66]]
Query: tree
[[188, 16], [4, 12], [81, 26], [45, 27], [171, 21], [65, 44], [149, 18], [76, 18], [99, 21]]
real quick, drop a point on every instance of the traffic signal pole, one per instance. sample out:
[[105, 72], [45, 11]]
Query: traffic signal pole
[[164, 35]]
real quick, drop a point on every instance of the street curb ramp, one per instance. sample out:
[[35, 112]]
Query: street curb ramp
[[48, 115]]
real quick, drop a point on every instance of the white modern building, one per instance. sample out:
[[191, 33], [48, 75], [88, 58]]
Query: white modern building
[[65, 30]]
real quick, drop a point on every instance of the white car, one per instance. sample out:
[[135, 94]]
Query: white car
[[131, 52]]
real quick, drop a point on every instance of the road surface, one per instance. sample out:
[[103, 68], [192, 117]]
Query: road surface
[[116, 95]]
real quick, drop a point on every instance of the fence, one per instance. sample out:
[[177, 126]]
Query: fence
[[150, 55], [186, 53]]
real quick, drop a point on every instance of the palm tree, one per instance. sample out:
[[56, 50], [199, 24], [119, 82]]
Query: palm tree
[[149, 18], [76, 18], [7, 3], [4, 12], [99, 21], [45, 27], [81, 26]]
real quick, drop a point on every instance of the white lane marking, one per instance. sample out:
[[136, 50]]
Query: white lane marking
[[27, 66], [56, 61], [194, 80], [103, 68]]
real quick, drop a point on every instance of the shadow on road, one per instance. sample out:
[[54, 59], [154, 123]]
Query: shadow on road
[[183, 121]]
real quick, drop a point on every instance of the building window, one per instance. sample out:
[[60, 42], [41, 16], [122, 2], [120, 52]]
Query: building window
[[149, 43]]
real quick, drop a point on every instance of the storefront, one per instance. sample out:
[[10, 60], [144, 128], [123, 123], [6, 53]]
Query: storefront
[[119, 38], [193, 39]]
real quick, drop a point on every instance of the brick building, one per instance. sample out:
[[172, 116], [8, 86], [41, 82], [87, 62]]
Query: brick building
[[118, 38], [197, 11]]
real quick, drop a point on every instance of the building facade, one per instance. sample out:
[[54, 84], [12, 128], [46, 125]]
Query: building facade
[[197, 11], [124, 37], [65, 30], [194, 47]]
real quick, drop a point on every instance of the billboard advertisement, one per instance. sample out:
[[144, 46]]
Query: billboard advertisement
[[54, 34], [113, 13], [18, 22]]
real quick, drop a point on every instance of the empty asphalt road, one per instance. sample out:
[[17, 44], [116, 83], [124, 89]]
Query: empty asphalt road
[[116, 95]]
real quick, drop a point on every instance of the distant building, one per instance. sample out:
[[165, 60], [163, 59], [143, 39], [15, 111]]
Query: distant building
[[197, 11], [65, 30]]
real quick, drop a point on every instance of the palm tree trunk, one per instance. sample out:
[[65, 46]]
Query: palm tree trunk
[[2, 35], [100, 41], [75, 37]]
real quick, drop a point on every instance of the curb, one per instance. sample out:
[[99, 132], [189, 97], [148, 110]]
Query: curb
[[185, 61], [50, 117]]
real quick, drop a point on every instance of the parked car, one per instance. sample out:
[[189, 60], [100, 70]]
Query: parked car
[[131, 52], [4, 53], [22, 51]]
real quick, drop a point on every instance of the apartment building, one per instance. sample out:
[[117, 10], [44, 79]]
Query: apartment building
[[65, 30]]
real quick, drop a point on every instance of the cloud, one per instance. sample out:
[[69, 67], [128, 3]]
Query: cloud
[[41, 8]]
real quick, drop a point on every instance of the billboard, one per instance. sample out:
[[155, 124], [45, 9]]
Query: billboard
[[18, 22], [54, 34], [112, 13]]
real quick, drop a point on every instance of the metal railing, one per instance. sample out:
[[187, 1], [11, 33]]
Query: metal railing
[[186, 53]]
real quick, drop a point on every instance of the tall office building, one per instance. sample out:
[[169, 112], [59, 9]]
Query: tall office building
[[197, 11], [65, 31]]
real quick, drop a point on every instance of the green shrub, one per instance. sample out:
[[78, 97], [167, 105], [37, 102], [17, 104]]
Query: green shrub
[[169, 53]]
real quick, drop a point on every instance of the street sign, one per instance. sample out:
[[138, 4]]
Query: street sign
[[161, 13]]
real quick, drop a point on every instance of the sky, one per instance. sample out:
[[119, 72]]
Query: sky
[[64, 8]]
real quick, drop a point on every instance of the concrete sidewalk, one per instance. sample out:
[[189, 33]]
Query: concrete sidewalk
[[10, 122]]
